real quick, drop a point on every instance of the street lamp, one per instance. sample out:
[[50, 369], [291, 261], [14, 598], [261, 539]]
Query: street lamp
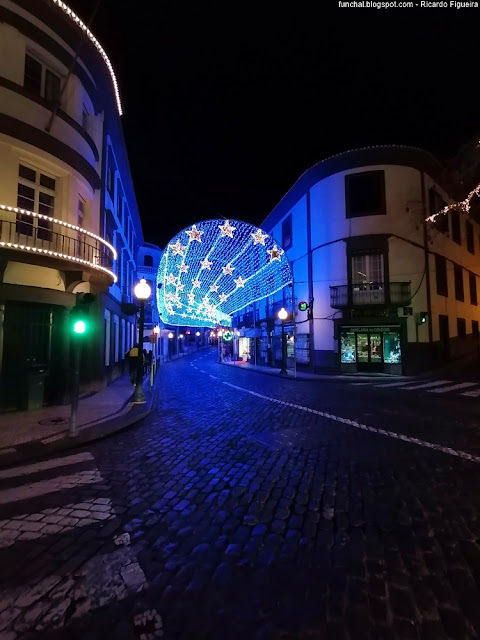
[[142, 292], [282, 314], [220, 346]]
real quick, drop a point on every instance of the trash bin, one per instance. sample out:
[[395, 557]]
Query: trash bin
[[35, 389]]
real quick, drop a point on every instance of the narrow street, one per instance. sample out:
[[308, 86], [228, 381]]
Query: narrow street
[[253, 510]]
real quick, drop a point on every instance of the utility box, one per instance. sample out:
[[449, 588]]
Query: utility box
[[34, 389]]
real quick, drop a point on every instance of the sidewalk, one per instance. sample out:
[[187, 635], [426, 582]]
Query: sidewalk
[[466, 368], [31, 434], [303, 375]]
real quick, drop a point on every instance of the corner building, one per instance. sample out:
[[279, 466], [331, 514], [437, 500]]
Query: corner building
[[69, 222], [387, 292]]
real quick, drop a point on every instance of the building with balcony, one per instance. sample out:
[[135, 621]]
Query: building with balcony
[[384, 291], [69, 222]]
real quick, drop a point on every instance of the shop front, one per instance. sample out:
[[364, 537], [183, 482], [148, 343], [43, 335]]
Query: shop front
[[370, 348]]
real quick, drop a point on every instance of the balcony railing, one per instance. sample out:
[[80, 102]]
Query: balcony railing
[[395, 294], [47, 236]]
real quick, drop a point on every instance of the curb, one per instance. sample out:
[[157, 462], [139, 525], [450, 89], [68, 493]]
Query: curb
[[354, 377], [39, 449]]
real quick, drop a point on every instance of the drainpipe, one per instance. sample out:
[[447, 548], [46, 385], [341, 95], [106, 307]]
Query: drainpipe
[[310, 283], [427, 262]]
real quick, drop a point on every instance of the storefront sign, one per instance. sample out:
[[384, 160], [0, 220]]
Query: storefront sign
[[370, 329]]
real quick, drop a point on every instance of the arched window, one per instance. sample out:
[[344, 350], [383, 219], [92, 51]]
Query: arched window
[[148, 261]]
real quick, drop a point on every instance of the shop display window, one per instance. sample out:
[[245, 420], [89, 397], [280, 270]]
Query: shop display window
[[348, 351], [391, 347]]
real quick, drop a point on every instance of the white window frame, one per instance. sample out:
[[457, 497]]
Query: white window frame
[[45, 68]]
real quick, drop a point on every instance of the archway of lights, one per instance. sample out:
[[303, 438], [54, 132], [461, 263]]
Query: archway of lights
[[215, 268]]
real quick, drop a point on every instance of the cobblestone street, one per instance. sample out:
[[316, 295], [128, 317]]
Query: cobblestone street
[[239, 510]]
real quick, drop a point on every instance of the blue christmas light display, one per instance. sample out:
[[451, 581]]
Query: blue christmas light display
[[215, 268]]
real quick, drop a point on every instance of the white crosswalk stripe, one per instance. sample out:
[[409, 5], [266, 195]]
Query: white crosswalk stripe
[[426, 385], [430, 386], [453, 387], [53, 514]]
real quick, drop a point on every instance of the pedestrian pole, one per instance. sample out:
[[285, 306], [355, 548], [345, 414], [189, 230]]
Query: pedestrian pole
[[73, 431]]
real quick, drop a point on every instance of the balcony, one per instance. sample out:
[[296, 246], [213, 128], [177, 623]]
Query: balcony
[[50, 240], [394, 294]]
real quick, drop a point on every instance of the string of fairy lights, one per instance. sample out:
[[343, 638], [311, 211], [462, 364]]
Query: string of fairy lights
[[215, 268], [462, 205]]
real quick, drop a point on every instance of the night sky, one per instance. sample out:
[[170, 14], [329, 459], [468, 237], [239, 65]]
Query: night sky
[[226, 104]]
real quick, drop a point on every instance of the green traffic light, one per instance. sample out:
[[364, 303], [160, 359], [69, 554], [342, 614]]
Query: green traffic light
[[79, 326]]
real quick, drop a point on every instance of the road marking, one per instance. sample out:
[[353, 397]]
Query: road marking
[[214, 377], [426, 385], [395, 384], [364, 427], [471, 394], [44, 466], [42, 488], [454, 387]]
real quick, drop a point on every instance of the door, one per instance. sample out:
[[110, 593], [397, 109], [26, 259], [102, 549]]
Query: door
[[369, 352], [444, 338]]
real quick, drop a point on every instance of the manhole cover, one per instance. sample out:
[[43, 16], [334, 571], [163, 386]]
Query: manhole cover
[[54, 421]]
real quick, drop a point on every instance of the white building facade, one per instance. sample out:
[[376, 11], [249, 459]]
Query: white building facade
[[68, 214], [386, 291]]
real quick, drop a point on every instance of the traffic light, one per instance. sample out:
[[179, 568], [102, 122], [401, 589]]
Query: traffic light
[[79, 315], [423, 317]]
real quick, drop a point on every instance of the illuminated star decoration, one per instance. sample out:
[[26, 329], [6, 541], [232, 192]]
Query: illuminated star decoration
[[194, 234], [226, 229], [274, 253], [177, 248], [225, 266], [259, 237], [206, 264]]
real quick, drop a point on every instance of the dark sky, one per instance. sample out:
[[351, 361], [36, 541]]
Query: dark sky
[[227, 104]]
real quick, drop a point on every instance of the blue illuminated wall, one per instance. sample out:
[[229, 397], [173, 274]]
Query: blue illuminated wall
[[216, 267]]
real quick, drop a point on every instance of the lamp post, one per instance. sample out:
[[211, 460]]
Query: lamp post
[[156, 331], [282, 314], [198, 341], [220, 346], [170, 338], [142, 292]]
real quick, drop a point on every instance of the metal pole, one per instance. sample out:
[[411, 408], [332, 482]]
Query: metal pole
[[255, 332], [138, 396], [283, 370], [73, 431], [294, 315]]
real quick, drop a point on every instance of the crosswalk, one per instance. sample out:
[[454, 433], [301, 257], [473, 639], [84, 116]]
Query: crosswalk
[[51, 498], [56, 516], [465, 389]]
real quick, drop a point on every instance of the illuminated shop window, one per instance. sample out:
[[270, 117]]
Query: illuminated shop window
[[391, 347], [348, 352]]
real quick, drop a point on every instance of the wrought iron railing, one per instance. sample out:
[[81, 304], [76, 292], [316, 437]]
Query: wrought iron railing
[[396, 294], [45, 236]]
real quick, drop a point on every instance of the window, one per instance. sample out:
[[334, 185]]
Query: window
[[470, 240], [475, 327], [365, 194], [85, 115], [436, 204], [119, 204], [461, 328], [81, 246], [458, 274], [287, 232], [367, 268], [473, 288], [367, 278], [111, 175], [35, 192], [441, 275], [41, 80], [456, 236], [148, 261]]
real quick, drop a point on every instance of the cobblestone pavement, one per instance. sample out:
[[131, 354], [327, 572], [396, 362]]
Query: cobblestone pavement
[[239, 510]]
